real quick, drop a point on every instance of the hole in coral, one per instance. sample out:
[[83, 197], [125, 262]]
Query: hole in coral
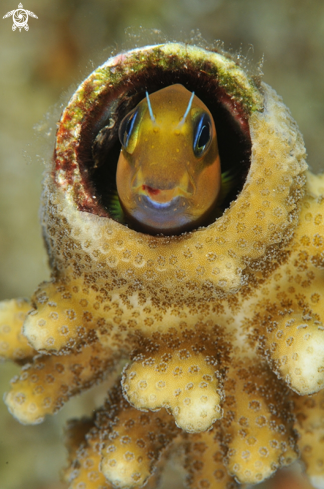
[[99, 147]]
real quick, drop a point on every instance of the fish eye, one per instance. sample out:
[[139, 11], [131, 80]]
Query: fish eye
[[202, 134], [126, 130]]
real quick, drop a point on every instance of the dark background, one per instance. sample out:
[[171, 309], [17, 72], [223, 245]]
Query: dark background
[[39, 70]]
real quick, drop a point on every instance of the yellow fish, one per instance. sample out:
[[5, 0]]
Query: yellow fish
[[168, 172]]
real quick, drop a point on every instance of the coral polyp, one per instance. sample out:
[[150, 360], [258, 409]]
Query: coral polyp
[[220, 329]]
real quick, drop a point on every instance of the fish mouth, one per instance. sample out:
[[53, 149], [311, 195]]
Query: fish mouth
[[166, 216], [148, 202], [161, 198]]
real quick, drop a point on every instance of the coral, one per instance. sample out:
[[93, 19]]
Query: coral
[[30, 399], [221, 327]]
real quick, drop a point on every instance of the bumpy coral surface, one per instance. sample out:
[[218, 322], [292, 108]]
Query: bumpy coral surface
[[221, 328]]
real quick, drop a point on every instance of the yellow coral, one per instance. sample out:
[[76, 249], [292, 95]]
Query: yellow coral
[[177, 374], [257, 426], [289, 318], [83, 443], [44, 386], [221, 328], [204, 462]]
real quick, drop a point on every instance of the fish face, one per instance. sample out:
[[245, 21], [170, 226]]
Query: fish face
[[168, 172]]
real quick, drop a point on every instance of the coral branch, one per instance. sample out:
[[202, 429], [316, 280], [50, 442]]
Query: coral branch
[[182, 373], [290, 324], [83, 443], [133, 441], [44, 386], [205, 462], [257, 425]]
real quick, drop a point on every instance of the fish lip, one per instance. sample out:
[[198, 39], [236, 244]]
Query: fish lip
[[160, 206]]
